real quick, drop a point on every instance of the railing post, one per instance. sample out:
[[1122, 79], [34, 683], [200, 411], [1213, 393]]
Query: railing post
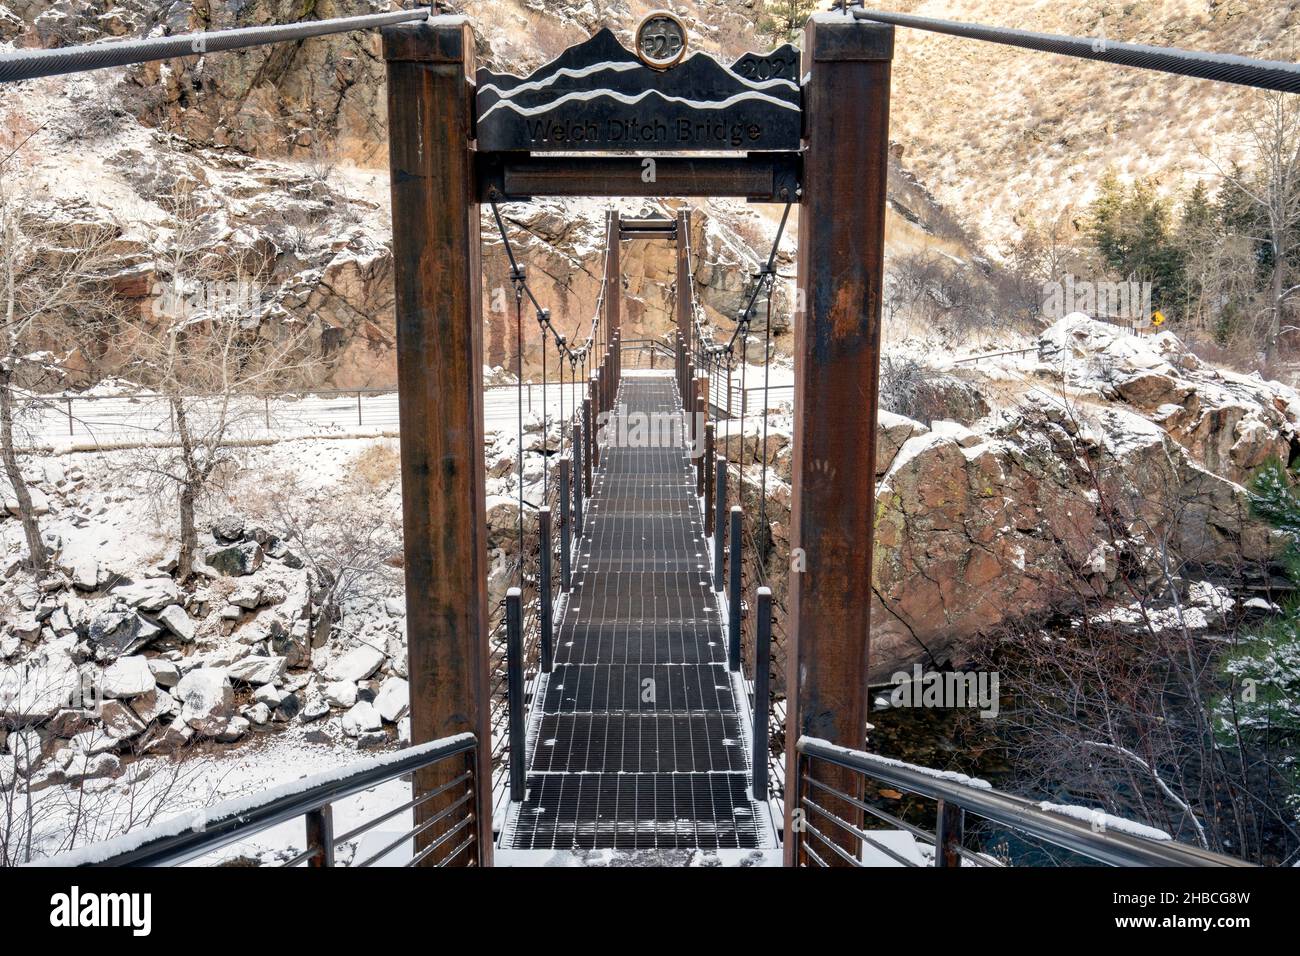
[[566, 525], [578, 459], [709, 431], [949, 834], [437, 276], [762, 687], [545, 595], [837, 365], [586, 441], [733, 592], [320, 836], [701, 418], [515, 691], [719, 523]]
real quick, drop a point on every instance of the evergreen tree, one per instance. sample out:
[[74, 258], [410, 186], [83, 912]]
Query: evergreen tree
[[1260, 711], [1131, 228]]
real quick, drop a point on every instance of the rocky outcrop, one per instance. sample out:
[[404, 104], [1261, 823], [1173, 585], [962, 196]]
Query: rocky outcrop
[[1126, 453]]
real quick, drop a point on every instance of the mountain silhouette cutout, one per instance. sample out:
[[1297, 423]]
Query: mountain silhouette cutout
[[599, 95]]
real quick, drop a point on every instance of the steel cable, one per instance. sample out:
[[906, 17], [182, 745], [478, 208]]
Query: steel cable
[[30, 64], [1222, 67]]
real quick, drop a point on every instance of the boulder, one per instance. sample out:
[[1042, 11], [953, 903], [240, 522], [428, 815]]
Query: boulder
[[248, 596], [228, 529], [290, 705], [269, 694], [151, 594], [234, 730], [257, 670], [360, 719], [236, 560], [356, 665], [207, 700], [120, 721], [83, 571], [164, 672], [154, 705], [127, 677], [393, 699], [40, 686], [340, 693], [120, 632], [176, 620], [172, 738]]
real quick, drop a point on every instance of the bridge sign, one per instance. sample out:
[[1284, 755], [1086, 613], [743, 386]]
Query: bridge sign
[[599, 95]]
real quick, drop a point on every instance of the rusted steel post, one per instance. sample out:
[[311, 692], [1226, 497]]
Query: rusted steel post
[[733, 590], [684, 293], [762, 687], [437, 277], [578, 459], [701, 417], [615, 353], [719, 519], [709, 431], [949, 834], [544, 595], [515, 691], [566, 525], [320, 836], [837, 364], [586, 442], [613, 303]]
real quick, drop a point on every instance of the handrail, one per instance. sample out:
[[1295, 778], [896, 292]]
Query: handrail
[[1112, 847], [191, 835]]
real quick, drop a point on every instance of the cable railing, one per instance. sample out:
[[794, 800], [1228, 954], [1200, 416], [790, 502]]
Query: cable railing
[[445, 831], [830, 827]]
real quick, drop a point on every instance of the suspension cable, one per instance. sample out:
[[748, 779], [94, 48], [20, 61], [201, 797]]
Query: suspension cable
[[767, 365], [517, 278], [29, 64], [1223, 67]]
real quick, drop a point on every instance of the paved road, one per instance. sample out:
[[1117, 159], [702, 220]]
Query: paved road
[[57, 421]]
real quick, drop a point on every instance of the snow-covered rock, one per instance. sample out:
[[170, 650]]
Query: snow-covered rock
[[236, 560], [166, 673], [178, 622], [340, 693], [207, 700], [257, 670], [356, 665], [151, 594], [393, 699], [360, 719], [127, 677]]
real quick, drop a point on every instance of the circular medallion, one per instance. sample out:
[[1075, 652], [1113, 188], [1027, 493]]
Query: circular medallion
[[661, 40]]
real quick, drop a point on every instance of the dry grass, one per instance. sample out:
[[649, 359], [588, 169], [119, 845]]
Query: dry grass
[[377, 466], [999, 133]]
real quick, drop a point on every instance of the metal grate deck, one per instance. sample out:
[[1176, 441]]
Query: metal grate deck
[[636, 740]]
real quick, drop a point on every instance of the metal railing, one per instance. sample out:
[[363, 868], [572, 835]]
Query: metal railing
[[834, 819], [191, 836]]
